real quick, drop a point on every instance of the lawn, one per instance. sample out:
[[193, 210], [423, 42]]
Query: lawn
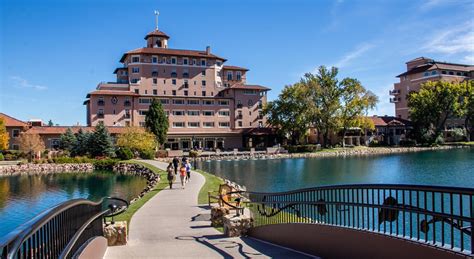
[[212, 184], [127, 215]]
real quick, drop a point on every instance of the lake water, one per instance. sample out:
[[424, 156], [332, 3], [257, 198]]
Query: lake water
[[444, 167], [24, 196]]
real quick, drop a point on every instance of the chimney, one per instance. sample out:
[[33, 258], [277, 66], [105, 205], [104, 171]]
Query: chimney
[[208, 50]]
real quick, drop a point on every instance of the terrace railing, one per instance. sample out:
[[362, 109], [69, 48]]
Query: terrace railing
[[62, 230], [438, 216]]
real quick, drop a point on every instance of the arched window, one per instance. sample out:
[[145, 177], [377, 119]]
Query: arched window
[[154, 74], [158, 43]]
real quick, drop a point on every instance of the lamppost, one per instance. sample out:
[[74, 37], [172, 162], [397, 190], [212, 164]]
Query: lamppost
[[194, 149]]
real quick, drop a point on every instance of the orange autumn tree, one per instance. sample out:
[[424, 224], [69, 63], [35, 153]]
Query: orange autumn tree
[[4, 138], [31, 144]]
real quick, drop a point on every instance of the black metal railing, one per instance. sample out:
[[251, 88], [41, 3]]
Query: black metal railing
[[60, 231], [439, 216]]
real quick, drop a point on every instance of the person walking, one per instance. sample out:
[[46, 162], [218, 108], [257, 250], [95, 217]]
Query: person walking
[[182, 175], [188, 170], [171, 174], [176, 165]]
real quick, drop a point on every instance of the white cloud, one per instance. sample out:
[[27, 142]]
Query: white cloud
[[349, 57], [23, 83]]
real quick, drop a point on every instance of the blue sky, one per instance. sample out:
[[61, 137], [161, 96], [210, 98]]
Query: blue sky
[[54, 52]]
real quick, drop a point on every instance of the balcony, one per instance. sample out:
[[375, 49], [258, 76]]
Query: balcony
[[394, 92], [395, 99]]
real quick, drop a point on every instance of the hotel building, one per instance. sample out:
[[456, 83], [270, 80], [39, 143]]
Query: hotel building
[[206, 101], [422, 70]]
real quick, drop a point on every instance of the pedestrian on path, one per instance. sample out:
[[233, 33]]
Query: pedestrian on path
[[176, 165], [171, 174], [182, 175], [188, 170]]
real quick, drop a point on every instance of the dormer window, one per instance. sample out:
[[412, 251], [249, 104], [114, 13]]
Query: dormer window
[[239, 75], [158, 44], [135, 59], [229, 75]]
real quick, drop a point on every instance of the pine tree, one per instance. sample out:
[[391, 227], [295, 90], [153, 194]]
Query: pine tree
[[82, 145], [156, 121], [101, 142], [67, 140], [50, 123]]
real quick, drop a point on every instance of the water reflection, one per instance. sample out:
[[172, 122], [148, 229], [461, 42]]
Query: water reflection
[[23, 196]]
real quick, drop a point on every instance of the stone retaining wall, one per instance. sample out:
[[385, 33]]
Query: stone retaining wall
[[45, 169], [139, 170]]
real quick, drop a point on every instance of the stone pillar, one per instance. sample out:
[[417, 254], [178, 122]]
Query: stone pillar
[[217, 215], [116, 234], [236, 226]]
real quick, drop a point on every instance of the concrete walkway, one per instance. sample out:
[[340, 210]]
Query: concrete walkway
[[172, 225]]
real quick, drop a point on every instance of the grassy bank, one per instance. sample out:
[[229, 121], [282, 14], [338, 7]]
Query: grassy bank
[[211, 185], [128, 214]]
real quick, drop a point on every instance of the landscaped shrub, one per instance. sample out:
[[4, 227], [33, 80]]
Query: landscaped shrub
[[124, 153], [1, 157], [72, 160], [193, 153], [147, 154], [105, 164]]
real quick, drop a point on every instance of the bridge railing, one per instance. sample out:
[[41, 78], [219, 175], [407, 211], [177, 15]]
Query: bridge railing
[[439, 216], [60, 231]]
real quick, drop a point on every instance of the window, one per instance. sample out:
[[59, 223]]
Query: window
[[434, 72], [135, 70], [137, 91], [224, 113], [208, 113], [250, 103], [186, 74], [155, 92], [229, 75], [451, 73], [134, 80], [240, 123], [218, 63], [203, 82], [127, 113], [127, 102], [458, 73], [15, 133], [164, 59], [173, 92], [173, 81], [186, 85], [194, 62], [178, 113], [224, 124], [203, 62], [238, 75], [154, 59], [173, 60], [178, 124], [100, 113], [193, 102], [208, 124], [443, 72], [251, 92], [164, 101], [178, 101], [135, 59], [155, 81], [146, 91], [193, 113], [223, 102], [203, 93], [208, 102], [142, 112], [100, 102], [174, 74], [185, 61], [185, 93], [260, 124], [203, 73], [193, 124], [144, 100]]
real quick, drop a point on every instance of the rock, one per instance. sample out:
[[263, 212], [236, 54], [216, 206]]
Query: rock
[[217, 215], [116, 234], [236, 226]]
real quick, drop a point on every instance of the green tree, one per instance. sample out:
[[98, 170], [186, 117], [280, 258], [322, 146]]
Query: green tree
[[101, 142], [433, 105], [67, 140], [4, 137], [83, 143], [137, 139], [156, 121], [289, 113], [467, 108], [355, 102], [50, 123]]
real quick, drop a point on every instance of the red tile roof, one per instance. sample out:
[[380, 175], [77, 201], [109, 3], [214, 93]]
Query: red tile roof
[[12, 122], [119, 68], [235, 68], [171, 52], [250, 87], [58, 130], [111, 92], [389, 120], [157, 33]]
